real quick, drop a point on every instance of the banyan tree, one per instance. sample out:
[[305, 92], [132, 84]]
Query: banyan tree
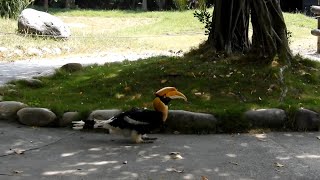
[[230, 28]]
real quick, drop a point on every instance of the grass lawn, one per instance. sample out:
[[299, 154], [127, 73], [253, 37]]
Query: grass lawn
[[225, 87], [117, 31]]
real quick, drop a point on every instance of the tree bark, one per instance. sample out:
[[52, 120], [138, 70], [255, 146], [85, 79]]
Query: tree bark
[[69, 3], [230, 26], [145, 5], [46, 5]]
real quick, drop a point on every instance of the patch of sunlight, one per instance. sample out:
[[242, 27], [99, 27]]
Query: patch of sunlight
[[308, 156], [224, 174], [283, 158], [260, 136], [300, 135], [244, 144], [187, 147], [165, 158], [112, 75], [117, 167], [95, 149], [153, 170], [98, 163], [207, 170], [231, 155], [69, 154], [64, 172], [288, 135], [132, 174], [189, 176], [147, 157], [137, 96], [119, 96]]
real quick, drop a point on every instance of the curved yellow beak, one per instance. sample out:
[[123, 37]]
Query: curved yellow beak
[[171, 92]]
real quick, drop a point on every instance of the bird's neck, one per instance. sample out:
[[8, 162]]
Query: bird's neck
[[159, 106]]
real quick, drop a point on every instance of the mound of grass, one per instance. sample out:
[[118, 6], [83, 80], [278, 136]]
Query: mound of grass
[[225, 87]]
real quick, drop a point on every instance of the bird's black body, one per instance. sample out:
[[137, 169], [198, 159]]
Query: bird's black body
[[141, 120], [137, 122]]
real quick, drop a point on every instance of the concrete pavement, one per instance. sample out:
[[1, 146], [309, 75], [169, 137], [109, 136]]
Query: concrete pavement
[[56, 153], [41, 67]]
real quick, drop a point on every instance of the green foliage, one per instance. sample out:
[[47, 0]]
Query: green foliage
[[12, 8], [204, 17], [181, 4]]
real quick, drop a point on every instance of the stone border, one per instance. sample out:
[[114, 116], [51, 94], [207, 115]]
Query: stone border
[[178, 121]]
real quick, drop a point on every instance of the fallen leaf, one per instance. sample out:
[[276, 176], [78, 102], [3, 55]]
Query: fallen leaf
[[163, 81], [234, 163], [175, 170], [18, 151], [17, 172], [279, 165], [204, 178], [175, 155], [198, 93]]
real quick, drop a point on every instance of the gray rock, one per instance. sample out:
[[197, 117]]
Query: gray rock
[[36, 116], [189, 122], [103, 114], [72, 67], [307, 120], [56, 51], [35, 83], [18, 52], [67, 118], [9, 109], [31, 51], [37, 22], [266, 118], [46, 50]]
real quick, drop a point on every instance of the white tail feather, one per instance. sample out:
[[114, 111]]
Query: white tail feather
[[101, 123], [78, 125]]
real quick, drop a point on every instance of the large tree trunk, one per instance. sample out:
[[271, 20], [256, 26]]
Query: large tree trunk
[[145, 5], [69, 3], [46, 5], [230, 25], [269, 29]]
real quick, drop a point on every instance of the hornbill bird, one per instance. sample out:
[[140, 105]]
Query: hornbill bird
[[137, 122]]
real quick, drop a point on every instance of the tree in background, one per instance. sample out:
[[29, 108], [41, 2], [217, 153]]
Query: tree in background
[[46, 5], [230, 27], [12, 8]]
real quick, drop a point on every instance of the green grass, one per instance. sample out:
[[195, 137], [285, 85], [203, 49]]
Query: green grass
[[225, 85], [96, 31], [103, 31]]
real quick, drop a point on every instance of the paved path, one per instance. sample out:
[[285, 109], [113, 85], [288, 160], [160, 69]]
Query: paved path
[[55, 153], [40, 67]]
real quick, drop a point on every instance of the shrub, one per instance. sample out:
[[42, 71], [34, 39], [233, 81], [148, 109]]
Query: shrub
[[181, 4], [12, 8]]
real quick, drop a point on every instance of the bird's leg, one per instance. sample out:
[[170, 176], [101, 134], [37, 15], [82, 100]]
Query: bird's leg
[[145, 137], [137, 138]]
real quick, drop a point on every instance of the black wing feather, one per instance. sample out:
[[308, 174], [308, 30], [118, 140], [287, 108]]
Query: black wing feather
[[148, 120]]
